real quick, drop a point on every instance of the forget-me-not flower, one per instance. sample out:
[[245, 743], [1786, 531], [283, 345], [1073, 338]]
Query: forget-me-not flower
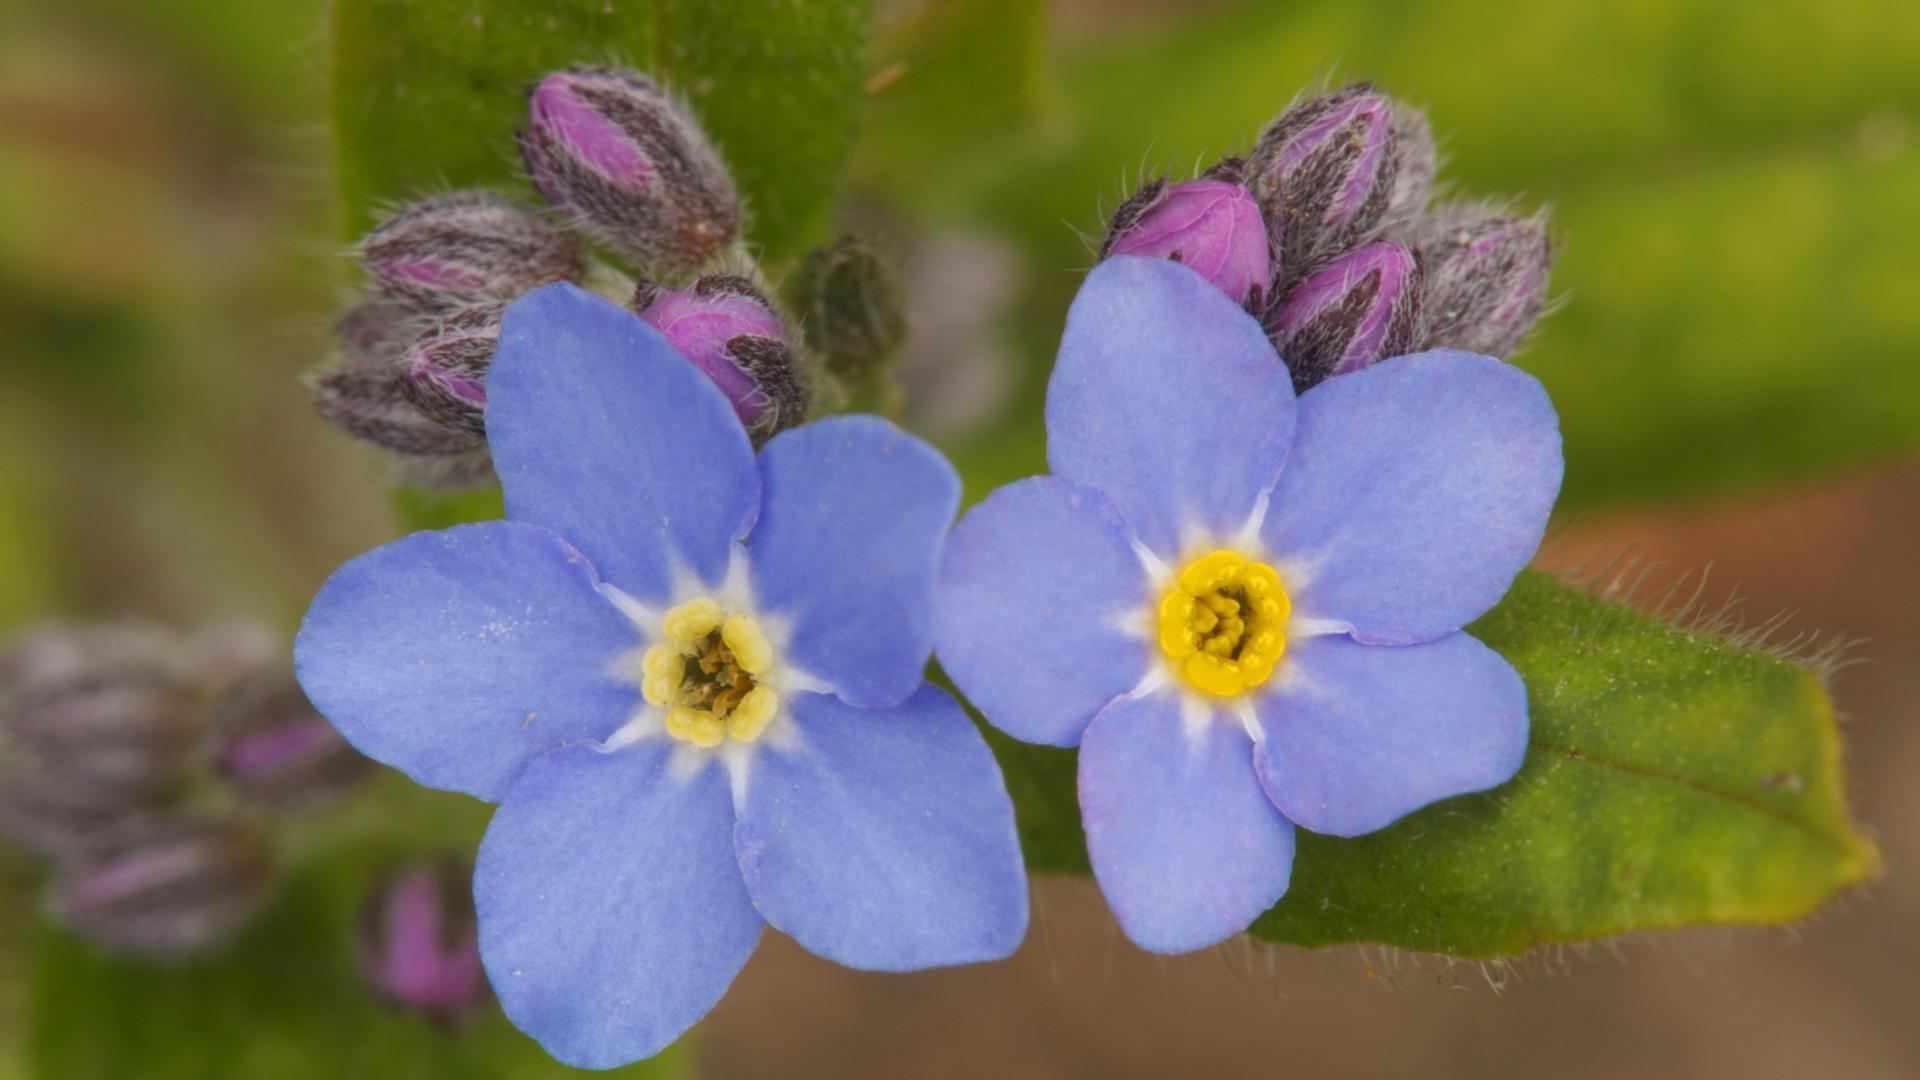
[[693, 682], [1244, 608]]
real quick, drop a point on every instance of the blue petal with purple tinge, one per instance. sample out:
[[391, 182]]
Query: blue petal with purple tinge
[[1358, 736], [456, 656], [1167, 396]]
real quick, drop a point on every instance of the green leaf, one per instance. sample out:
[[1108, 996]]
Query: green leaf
[[1735, 260], [418, 508], [427, 94], [1672, 780], [956, 86]]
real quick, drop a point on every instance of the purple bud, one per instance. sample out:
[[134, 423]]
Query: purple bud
[[1362, 307], [465, 248], [375, 330], [730, 332], [1486, 278], [420, 942], [272, 748], [45, 814], [1211, 226], [1325, 172], [445, 375], [166, 887], [374, 407], [112, 714], [632, 166]]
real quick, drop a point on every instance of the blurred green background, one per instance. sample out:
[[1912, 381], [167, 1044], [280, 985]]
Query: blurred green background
[[1737, 364]]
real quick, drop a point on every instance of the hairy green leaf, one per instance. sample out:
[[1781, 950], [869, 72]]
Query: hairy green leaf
[[427, 94], [1672, 780]]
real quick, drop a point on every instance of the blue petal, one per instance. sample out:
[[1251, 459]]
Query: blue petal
[[1185, 845], [612, 915], [848, 539], [603, 433], [885, 839], [1416, 490], [1168, 397], [1357, 736], [456, 656], [1030, 616]]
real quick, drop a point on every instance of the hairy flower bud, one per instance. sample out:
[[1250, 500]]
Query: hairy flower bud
[[1486, 278], [730, 332], [1419, 161], [1362, 307], [1325, 172], [468, 247], [445, 375], [374, 407], [376, 330], [419, 944], [852, 308], [45, 814], [1212, 226], [167, 886], [632, 166], [271, 747], [110, 712]]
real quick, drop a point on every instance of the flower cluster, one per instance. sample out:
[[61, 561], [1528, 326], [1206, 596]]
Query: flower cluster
[[1249, 603], [623, 162], [1259, 542], [689, 665], [136, 762], [1323, 233]]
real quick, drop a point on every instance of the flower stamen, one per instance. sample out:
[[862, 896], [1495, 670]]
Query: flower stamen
[[704, 674], [1222, 623]]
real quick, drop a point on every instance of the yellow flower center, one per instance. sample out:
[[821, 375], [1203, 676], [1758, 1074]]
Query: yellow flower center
[[705, 673], [1223, 623]]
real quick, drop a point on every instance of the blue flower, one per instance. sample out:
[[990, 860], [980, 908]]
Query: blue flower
[[1244, 608], [692, 681]]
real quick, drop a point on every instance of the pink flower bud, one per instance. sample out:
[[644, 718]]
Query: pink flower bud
[[45, 814], [112, 712], [1326, 171], [632, 166], [420, 942], [1211, 226], [445, 375], [272, 748], [167, 886], [1362, 307], [373, 406], [1486, 278], [729, 331], [464, 248]]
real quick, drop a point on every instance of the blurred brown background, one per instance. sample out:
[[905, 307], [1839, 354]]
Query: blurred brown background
[[167, 271]]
